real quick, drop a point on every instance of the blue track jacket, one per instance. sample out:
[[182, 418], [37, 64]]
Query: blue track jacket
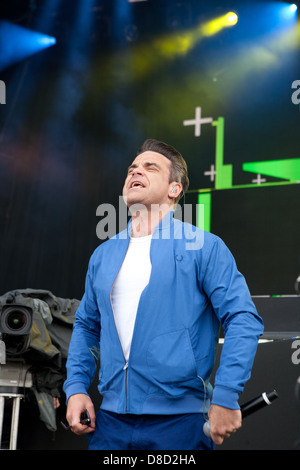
[[193, 288]]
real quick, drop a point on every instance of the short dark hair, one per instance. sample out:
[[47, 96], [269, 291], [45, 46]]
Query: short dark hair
[[178, 170]]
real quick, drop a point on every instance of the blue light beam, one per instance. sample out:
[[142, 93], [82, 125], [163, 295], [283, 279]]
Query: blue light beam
[[289, 11], [17, 43]]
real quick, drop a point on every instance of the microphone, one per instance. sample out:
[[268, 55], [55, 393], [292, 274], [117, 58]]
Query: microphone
[[250, 407]]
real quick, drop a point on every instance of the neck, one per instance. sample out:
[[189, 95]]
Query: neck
[[145, 220]]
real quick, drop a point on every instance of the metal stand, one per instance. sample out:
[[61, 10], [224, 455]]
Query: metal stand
[[14, 378]]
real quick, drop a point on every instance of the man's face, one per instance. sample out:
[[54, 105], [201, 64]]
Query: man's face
[[147, 180]]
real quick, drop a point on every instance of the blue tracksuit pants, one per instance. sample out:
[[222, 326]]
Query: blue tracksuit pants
[[149, 432]]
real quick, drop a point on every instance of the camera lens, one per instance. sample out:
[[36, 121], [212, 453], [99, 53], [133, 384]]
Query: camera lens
[[16, 320]]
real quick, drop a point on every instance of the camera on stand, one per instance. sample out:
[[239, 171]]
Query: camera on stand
[[35, 331], [15, 326]]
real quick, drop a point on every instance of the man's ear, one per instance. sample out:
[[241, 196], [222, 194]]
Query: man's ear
[[174, 190]]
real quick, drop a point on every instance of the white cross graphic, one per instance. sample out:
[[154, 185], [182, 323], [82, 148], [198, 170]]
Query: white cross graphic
[[259, 180], [211, 173], [197, 121]]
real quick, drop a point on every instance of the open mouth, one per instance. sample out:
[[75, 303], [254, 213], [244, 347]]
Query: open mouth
[[136, 184]]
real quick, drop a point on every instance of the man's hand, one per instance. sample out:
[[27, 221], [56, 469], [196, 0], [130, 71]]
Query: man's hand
[[76, 405], [223, 422]]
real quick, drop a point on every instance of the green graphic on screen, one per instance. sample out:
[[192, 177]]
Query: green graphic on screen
[[287, 170]]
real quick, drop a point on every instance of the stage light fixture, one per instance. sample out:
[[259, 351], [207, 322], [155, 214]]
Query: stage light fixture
[[214, 26], [289, 11], [47, 41], [231, 18], [19, 43]]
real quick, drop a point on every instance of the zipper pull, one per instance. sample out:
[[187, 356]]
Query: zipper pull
[[126, 366]]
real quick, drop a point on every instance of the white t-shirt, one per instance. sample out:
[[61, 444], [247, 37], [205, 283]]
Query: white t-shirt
[[130, 282]]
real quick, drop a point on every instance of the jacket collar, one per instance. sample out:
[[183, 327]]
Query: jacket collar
[[163, 225]]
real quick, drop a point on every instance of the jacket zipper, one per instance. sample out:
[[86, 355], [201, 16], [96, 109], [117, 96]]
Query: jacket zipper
[[126, 382], [125, 368]]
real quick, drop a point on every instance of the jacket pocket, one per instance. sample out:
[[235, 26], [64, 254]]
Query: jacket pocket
[[170, 357]]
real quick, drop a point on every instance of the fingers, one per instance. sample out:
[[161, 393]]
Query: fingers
[[78, 404], [223, 423], [79, 429], [220, 433], [218, 438], [78, 426], [56, 403]]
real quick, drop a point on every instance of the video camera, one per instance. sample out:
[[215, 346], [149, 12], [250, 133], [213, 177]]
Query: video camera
[[16, 318], [35, 331]]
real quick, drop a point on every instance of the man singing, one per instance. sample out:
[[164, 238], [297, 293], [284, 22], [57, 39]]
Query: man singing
[[155, 297]]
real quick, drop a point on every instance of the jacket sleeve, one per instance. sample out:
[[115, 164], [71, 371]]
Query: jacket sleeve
[[231, 300], [84, 346]]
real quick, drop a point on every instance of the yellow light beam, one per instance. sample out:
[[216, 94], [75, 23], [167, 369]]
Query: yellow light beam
[[180, 43], [140, 59], [214, 26]]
